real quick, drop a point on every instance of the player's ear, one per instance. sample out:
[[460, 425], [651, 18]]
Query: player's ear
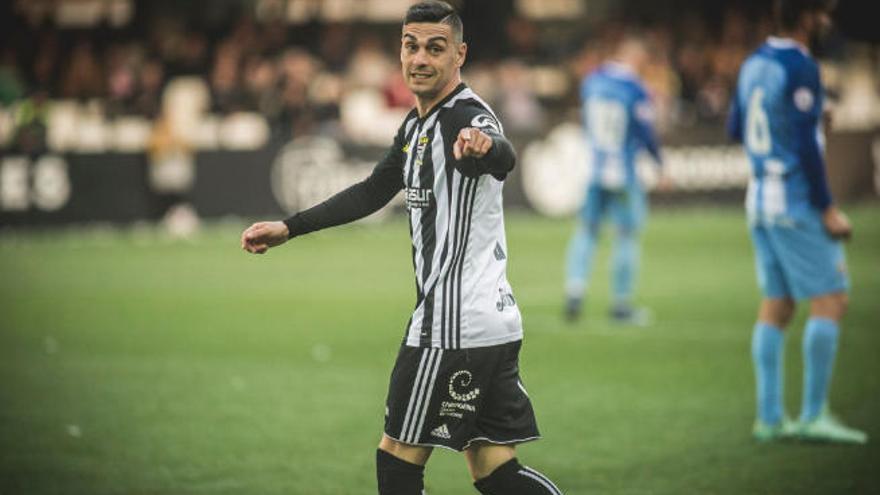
[[461, 54]]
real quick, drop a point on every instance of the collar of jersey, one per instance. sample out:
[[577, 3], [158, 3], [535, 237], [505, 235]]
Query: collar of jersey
[[785, 44], [458, 89], [619, 70]]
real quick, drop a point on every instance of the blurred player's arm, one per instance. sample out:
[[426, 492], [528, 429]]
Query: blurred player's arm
[[645, 118], [356, 202], [734, 120], [808, 103]]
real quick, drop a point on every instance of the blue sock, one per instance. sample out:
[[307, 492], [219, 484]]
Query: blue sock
[[579, 261], [820, 346], [768, 343], [624, 267]]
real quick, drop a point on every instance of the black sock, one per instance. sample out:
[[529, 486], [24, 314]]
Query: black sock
[[398, 477], [512, 478]]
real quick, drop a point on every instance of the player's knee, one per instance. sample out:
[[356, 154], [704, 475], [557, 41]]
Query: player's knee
[[409, 453], [842, 304], [512, 478], [786, 313], [483, 458], [777, 312], [831, 306]]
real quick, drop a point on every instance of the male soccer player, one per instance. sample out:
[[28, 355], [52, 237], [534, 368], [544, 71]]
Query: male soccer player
[[618, 117], [456, 380], [795, 227]]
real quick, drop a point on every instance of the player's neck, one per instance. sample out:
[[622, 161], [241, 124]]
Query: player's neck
[[798, 35], [425, 105]]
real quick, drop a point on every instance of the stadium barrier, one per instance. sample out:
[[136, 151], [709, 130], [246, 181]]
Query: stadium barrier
[[277, 178]]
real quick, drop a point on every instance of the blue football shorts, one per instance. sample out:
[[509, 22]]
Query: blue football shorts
[[798, 259]]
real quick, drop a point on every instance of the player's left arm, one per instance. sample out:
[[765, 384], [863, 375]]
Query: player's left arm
[[807, 98], [734, 118], [478, 146], [645, 118]]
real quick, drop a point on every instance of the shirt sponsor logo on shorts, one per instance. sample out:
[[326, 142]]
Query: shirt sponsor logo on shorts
[[463, 380], [458, 391]]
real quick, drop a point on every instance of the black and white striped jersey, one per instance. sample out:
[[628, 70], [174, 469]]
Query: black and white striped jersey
[[456, 222]]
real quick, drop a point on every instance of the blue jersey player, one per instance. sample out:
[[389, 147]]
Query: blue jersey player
[[795, 227], [618, 117]]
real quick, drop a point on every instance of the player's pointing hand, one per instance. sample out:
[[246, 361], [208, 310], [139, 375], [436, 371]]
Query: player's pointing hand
[[471, 143], [261, 236]]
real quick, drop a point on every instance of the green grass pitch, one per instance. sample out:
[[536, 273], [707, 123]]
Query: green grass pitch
[[133, 364]]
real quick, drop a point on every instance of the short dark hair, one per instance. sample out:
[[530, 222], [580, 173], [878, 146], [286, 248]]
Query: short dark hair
[[436, 11], [788, 12]]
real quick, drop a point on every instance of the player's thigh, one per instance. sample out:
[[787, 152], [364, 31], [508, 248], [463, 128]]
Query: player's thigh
[[594, 208], [629, 211], [436, 396], [771, 275], [506, 415], [813, 262], [415, 454], [483, 458]]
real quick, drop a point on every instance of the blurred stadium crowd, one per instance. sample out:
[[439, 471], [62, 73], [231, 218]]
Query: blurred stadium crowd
[[315, 73]]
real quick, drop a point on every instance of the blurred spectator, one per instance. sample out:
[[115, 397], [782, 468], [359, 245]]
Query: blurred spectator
[[297, 76], [83, 77], [226, 92], [521, 109], [46, 66], [11, 82], [172, 174], [31, 118], [121, 81], [148, 99]]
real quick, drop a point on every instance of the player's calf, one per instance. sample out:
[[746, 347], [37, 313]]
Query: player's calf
[[512, 478], [398, 477]]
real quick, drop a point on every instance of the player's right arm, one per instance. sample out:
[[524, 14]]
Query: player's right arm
[[356, 202]]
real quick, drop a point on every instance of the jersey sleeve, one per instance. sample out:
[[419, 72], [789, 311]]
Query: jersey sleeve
[[644, 118], [500, 159], [734, 118], [805, 92], [359, 200]]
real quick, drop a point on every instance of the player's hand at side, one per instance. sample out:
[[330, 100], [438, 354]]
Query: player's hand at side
[[261, 236], [836, 223], [664, 183], [471, 143]]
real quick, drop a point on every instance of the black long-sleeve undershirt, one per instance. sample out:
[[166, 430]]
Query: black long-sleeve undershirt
[[374, 192]]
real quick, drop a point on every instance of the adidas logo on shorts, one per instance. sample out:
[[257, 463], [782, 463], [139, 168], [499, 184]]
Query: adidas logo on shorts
[[441, 432]]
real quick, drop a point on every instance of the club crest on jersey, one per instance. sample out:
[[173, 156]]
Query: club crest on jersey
[[418, 197], [484, 121], [420, 150]]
